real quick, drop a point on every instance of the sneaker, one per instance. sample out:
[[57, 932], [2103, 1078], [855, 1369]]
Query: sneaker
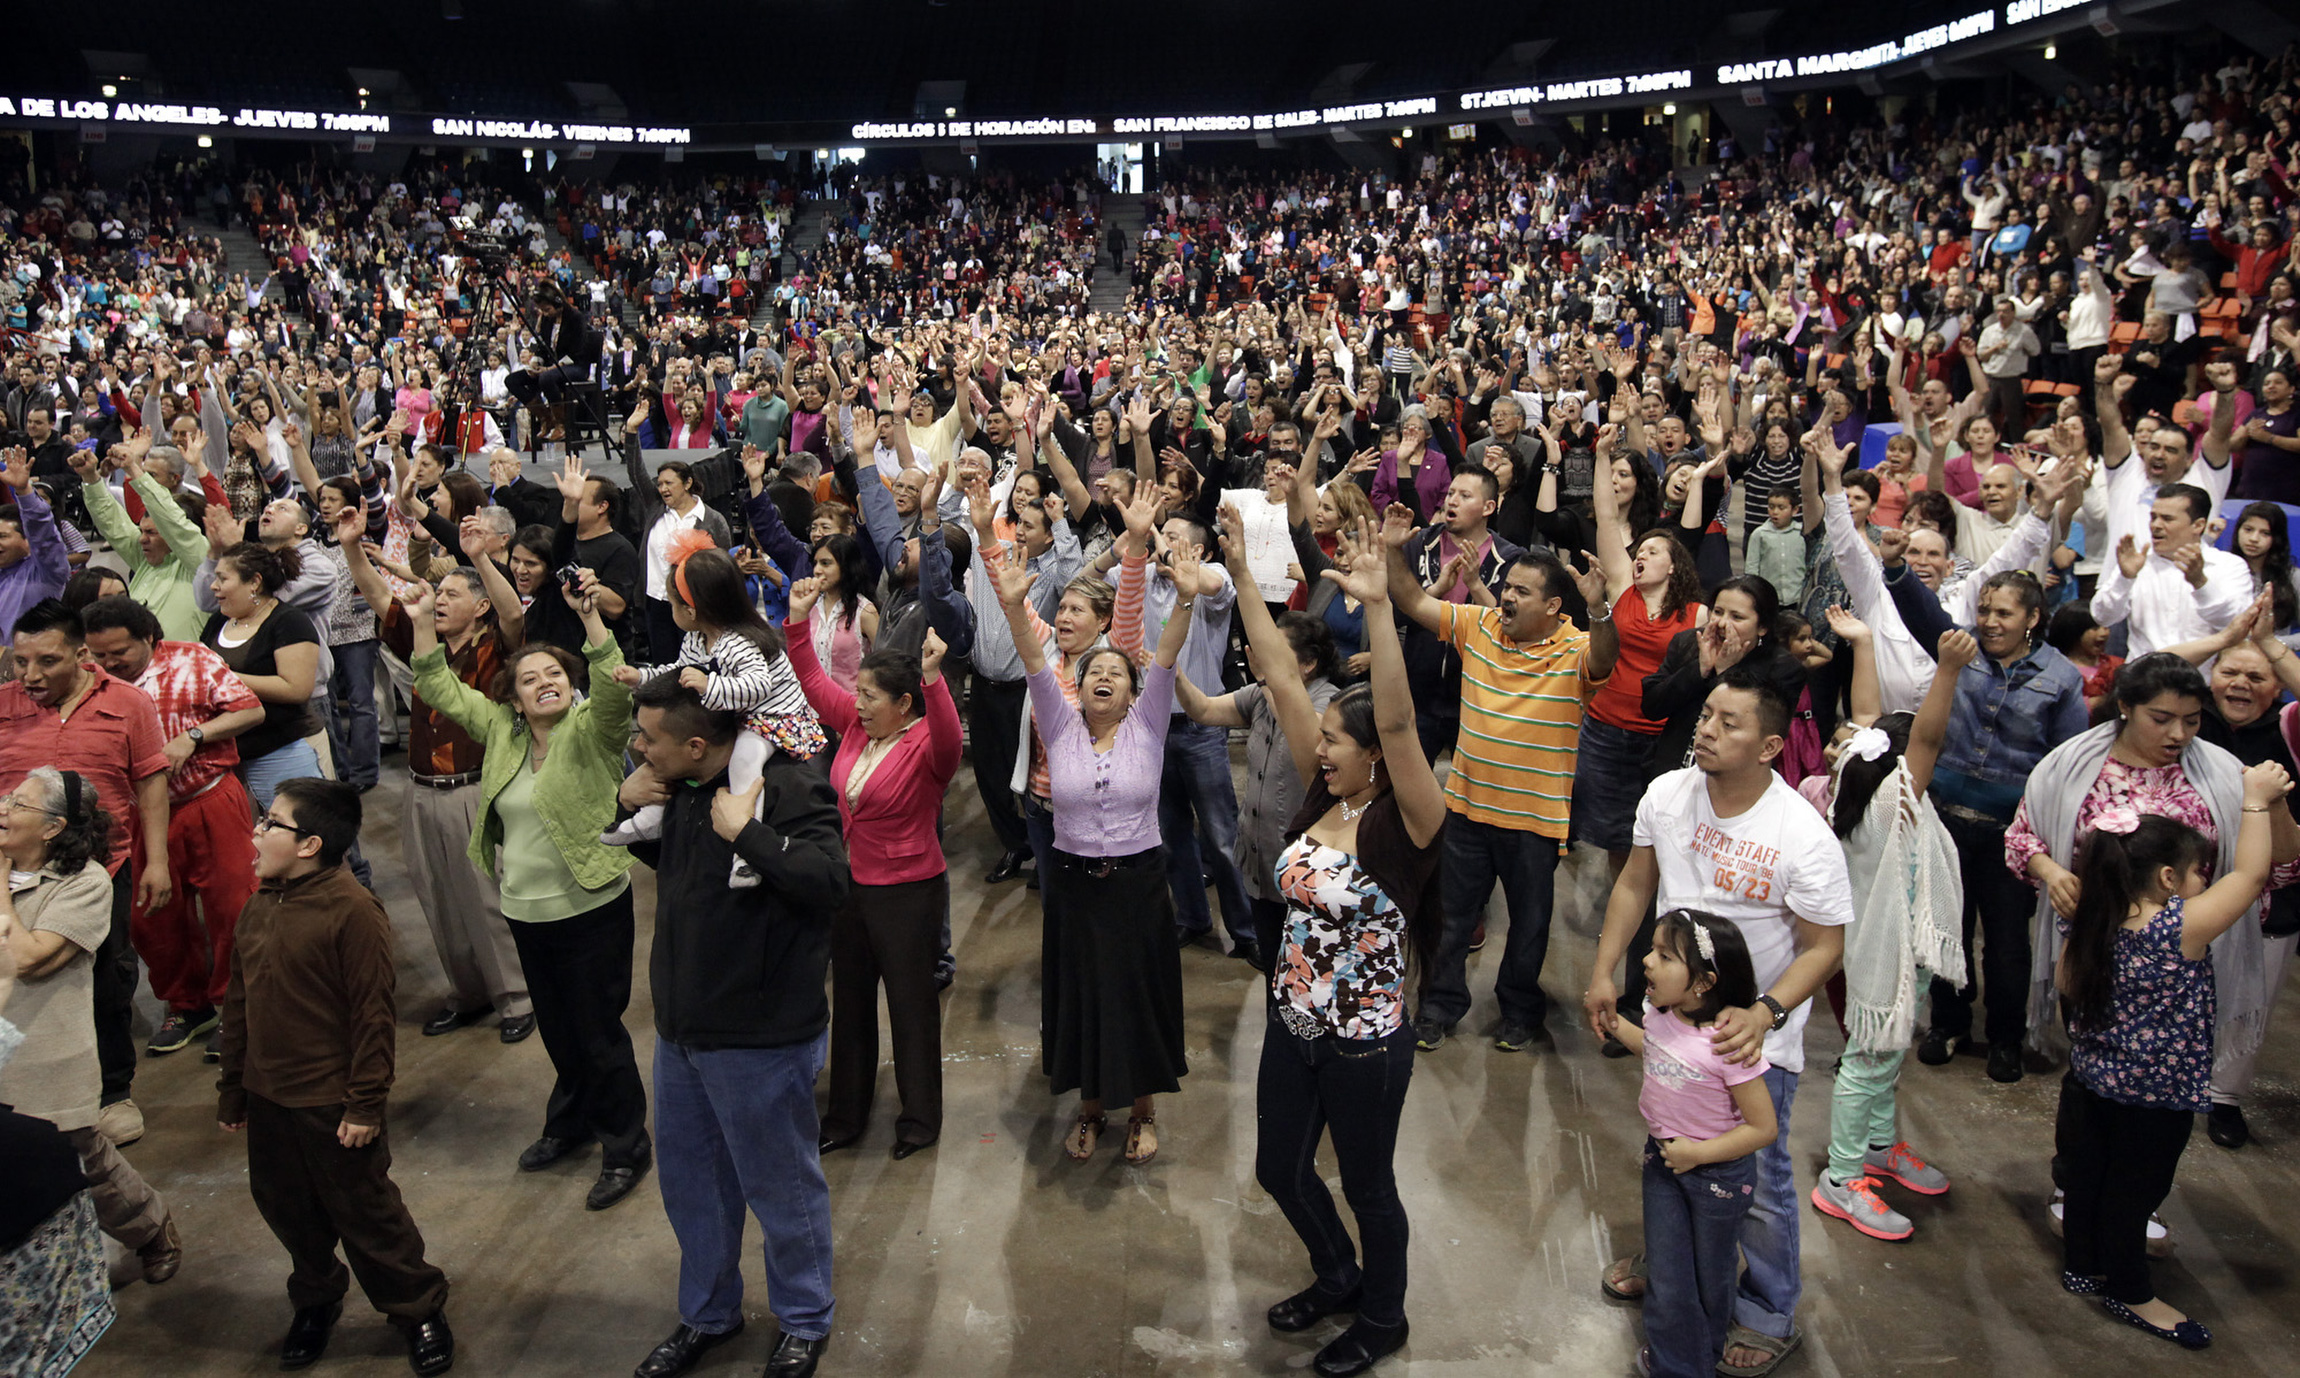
[[1906, 1168], [177, 1031], [1513, 1037], [1857, 1204], [1477, 939], [215, 1048], [1937, 1048], [2004, 1065], [1429, 1034], [121, 1122], [2160, 1244]]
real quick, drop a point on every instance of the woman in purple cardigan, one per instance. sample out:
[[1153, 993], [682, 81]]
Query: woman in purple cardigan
[[1117, 1032]]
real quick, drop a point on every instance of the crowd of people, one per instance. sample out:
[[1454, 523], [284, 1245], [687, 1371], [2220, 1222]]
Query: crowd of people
[[1876, 545]]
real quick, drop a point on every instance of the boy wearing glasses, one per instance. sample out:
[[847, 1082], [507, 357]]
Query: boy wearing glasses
[[307, 1066]]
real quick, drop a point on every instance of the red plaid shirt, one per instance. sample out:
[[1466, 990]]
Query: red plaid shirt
[[190, 684]]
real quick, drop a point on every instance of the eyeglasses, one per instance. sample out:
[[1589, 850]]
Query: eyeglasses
[[13, 803], [267, 823]]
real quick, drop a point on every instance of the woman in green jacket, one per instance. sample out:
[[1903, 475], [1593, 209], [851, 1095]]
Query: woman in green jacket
[[546, 790]]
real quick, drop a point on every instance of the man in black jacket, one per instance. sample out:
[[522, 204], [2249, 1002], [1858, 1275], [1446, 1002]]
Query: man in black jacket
[[561, 334], [740, 1022]]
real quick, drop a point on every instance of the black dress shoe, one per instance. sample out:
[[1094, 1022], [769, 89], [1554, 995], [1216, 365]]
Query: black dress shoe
[[515, 1028], [307, 1335], [903, 1148], [2004, 1064], [1009, 866], [677, 1354], [1358, 1348], [1305, 1309], [1250, 953], [430, 1345], [2225, 1126], [829, 1143], [546, 1151], [614, 1184], [1188, 937], [796, 1358], [1936, 1048], [448, 1021]]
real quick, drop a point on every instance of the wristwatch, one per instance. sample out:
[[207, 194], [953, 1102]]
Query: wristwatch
[[1780, 1011], [199, 737]]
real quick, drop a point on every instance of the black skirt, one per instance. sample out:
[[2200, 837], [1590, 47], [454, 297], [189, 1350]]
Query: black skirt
[[1117, 1028]]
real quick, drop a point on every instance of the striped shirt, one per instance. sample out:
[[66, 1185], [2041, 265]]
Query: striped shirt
[[1521, 709]]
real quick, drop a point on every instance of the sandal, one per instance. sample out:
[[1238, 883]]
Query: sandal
[[1618, 1279], [1775, 1348], [1141, 1129], [1084, 1136]]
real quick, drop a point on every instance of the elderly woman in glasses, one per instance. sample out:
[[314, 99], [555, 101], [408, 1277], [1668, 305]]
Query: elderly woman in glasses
[[59, 909]]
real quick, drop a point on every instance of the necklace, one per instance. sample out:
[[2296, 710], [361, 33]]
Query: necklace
[[1350, 814]]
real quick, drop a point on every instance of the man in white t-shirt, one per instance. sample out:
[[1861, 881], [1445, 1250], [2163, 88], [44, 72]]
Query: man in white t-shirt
[[1729, 837]]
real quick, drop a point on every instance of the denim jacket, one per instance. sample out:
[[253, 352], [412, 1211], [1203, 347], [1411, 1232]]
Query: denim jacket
[[2004, 720]]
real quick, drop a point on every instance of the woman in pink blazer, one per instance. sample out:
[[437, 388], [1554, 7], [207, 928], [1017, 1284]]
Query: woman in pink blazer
[[898, 741]]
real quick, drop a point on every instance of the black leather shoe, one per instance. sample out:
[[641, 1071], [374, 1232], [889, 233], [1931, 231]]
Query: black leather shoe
[[614, 1184], [2225, 1126], [430, 1345], [677, 1354], [307, 1335], [515, 1028], [1358, 1348], [448, 1021], [903, 1148], [2004, 1065], [830, 1144], [1936, 1048], [546, 1151], [1250, 953], [1305, 1309], [1009, 866], [796, 1358]]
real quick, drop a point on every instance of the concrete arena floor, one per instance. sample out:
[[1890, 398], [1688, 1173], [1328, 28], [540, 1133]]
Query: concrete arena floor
[[991, 1254]]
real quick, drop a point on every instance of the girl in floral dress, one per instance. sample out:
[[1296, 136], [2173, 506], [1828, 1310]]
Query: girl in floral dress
[[2140, 1001]]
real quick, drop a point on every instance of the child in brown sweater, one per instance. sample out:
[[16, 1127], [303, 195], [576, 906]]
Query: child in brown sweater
[[307, 1062]]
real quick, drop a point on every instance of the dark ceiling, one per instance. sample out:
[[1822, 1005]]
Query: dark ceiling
[[699, 62]]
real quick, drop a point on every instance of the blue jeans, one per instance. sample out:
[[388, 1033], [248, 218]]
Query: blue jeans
[[1771, 1283], [736, 1127], [1198, 813], [262, 776], [1693, 1222], [1476, 855], [351, 730]]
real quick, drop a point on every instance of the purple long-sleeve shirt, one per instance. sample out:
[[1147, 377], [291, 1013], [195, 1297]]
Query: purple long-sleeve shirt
[[1105, 803], [42, 573]]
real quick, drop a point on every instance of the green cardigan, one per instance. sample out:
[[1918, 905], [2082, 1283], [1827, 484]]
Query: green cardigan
[[575, 790]]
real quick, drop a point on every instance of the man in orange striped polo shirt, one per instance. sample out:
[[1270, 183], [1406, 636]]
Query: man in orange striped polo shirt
[[1527, 674]]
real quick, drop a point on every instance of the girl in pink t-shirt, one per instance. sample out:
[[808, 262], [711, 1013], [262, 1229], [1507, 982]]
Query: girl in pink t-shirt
[[1706, 1118]]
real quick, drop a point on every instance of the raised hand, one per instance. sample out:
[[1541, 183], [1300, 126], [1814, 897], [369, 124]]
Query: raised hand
[[1591, 582], [420, 601], [2265, 784], [930, 657], [1957, 649], [1892, 544], [570, 479], [804, 594], [1140, 515], [473, 535], [1361, 566], [224, 530], [1014, 578], [16, 468], [2131, 556], [1398, 526], [1852, 629]]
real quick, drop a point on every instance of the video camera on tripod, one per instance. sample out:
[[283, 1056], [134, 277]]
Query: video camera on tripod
[[489, 252]]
